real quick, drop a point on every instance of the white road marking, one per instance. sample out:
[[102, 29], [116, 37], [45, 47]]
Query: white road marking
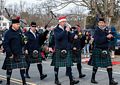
[[15, 80], [118, 73]]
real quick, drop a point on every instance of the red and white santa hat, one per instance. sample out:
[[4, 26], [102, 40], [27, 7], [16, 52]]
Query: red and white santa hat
[[62, 18]]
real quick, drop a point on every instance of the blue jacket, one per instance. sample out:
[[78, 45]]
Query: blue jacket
[[62, 39], [12, 42]]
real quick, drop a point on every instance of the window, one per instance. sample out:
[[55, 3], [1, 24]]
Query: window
[[1, 18], [4, 24]]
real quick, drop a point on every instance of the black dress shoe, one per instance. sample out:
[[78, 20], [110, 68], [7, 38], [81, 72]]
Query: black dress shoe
[[74, 82], [93, 81], [57, 82], [27, 76], [25, 84], [113, 83], [82, 75], [0, 81], [43, 76]]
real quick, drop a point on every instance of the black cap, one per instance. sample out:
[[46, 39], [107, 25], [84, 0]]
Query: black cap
[[33, 24], [73, 27], [15, 21], [102, 19]]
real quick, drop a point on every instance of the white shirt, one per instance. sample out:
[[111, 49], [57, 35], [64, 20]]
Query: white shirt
[[33, 33], [61, 27]]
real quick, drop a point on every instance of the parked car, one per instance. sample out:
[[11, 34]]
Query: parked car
[[117, 47]]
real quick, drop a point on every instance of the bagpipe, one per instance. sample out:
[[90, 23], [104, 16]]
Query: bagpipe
[[53, 16], [108, 31], [24, 38], [46, 32]]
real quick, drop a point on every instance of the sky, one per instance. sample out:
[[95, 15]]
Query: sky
[[66, 9], [18, 1]]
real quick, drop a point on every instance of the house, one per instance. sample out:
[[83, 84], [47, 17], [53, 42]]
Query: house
[[4, 22]]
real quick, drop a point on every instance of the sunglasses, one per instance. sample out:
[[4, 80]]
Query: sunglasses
[[33, 26]]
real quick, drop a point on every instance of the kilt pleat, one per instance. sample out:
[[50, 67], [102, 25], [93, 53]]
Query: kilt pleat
[[57, 61], [11, 64], [100, 61]]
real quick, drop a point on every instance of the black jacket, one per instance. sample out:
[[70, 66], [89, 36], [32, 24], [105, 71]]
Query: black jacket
[[62, 39], [100, 39], [12, 42]]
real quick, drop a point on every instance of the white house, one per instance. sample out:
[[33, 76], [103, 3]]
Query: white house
[[4, 22]]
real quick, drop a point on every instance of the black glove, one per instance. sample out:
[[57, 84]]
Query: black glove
[[8, 54], [16, 58], [46, 26], [46, 32]]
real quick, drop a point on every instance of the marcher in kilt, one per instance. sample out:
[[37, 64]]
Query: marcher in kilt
[[33, 47], [100, 54], [78, 44], [13, 45], [63, 54]]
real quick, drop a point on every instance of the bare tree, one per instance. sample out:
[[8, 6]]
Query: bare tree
[[41, 11], [16, 9], [2, 6], [22, 5]]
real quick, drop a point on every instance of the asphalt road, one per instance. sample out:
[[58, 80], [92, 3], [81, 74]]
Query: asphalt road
[[101, 75]]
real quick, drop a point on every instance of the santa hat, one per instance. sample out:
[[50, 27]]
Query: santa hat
[[62, 18]]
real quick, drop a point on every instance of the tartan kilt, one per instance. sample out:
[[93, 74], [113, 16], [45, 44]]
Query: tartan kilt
[[31, 59], [97, 60], [76, 56], [12, 64], [57, 61]]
